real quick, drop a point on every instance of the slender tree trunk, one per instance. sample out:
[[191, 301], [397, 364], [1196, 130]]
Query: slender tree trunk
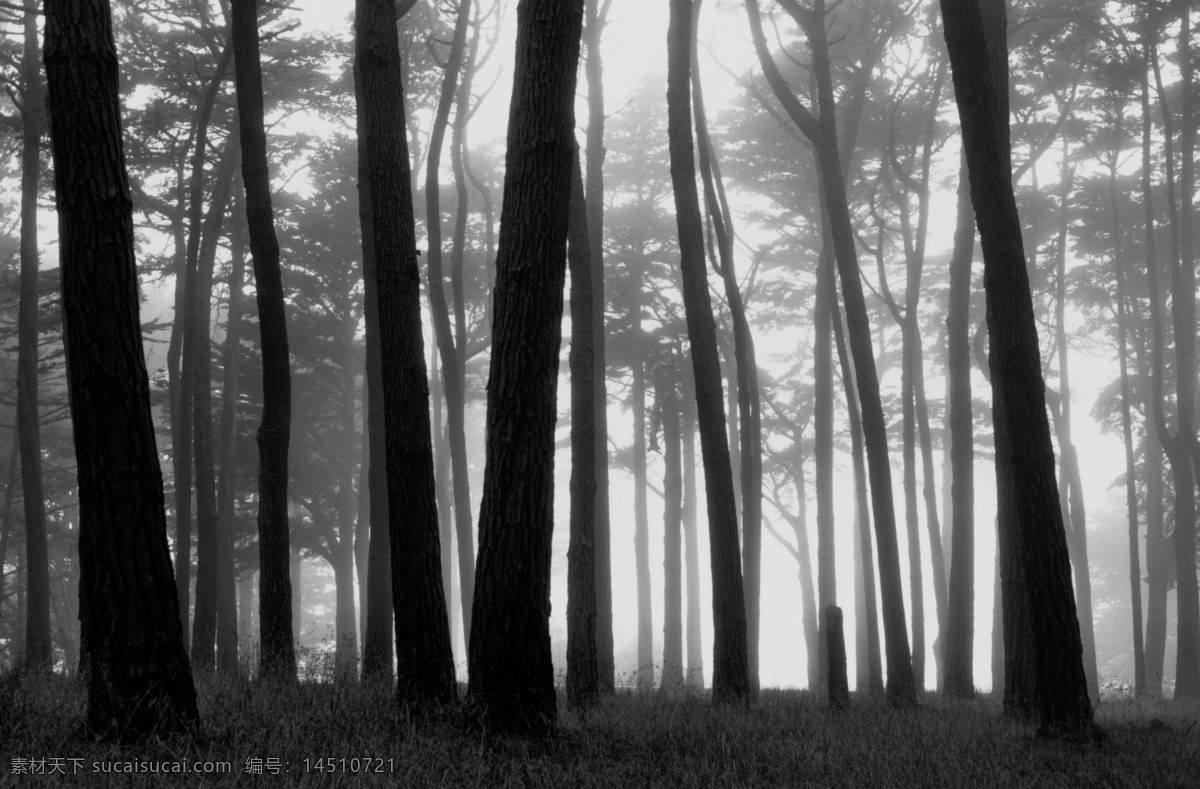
[[667, 397], [245, 594], [594, 197], [139, 680], [582, 680], [808, 601], [10, 484], [1019, 392], [227, 627], [424, 660], [691, 558], [204, 625], [346, 651], [823, 447], [958, 644], [38, 651], [641, 524], [730, 667], [277, 653], [511, 674]]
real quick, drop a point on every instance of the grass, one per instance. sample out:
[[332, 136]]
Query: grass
[[786, 739]]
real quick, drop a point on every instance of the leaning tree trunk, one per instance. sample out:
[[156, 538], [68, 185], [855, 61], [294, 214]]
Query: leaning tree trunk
[[730, 663], [139, 680], [277, 654], [582, 680], [511, 674], [1019, 392], [38, 652], [424, 659]]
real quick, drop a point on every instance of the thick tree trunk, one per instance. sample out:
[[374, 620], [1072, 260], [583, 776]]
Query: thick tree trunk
[[582, 680], [730, 669], [594, 197], [1018, 390], [139, 680], [277, 653], [667, 397], [424, 660], [227, 626], [38, 651], [958, 643], [511, 674], [377, 635]]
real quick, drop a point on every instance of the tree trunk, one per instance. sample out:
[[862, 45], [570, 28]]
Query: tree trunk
[[667, 397], [227, 626], [424, 660], [1018, 390], [958, 644], [594, 197], [139, 680], [346, 651], [730, 667], [511, 674], [691, 558], [453, 355], [245, 594], [38, 650], [277, 653], [641, 524], [808, 601], [839, 689], [582, 680], [204, 625], [823, 447], [377, 637]]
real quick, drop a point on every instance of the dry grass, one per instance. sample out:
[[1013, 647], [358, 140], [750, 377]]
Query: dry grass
[[787, 739]]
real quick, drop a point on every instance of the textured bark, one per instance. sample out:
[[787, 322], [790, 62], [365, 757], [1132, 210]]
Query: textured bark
[[377, 636], [227, 616], [204, 625], [511, 674], [453, 353], [594, 197], [277, 655], [424, 660], [1018, 390], [667, 399], [691, 556], [821, 130], [38, 654], [730, 669], [958, 644], [582, 680], [138, 677]]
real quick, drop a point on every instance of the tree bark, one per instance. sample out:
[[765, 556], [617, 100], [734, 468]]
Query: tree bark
[[139, 680], [511, 674], [730, 662], [1019, 393], [691, 557], [641, 523], [582, 680], [38, 655], [424, 660]]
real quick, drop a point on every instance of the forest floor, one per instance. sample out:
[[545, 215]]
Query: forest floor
[[328, 735]]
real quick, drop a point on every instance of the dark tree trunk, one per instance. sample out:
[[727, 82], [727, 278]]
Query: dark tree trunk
[[594, 197], [424, 660], [38, 651], [958, 645], [453, 355], [511, 674], [204, 625], [839, 689], [582, 684], [139, 680], [691, 557], [823, 447], [821, 130], [667, 398], [227, 627], [1018, 390], [377, 637], [730, 667], [277, 653]]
